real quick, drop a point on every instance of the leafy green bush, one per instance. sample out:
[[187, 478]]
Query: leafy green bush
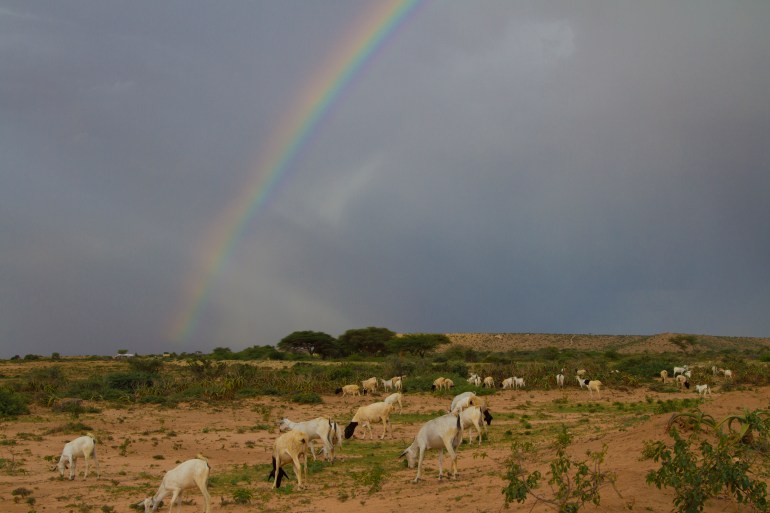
[[307, 398], [12, 403]]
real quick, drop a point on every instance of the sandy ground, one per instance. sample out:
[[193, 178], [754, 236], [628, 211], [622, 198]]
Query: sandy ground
[[239, 435]]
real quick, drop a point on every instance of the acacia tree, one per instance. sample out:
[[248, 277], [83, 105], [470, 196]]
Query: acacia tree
[[367, 341], [311, 342], [417, 343]]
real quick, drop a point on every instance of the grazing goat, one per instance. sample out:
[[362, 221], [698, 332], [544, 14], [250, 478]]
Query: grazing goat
[[680, 370], [703, 389], [348, 390], [681, 380], [716, 370], [194, 472], [560, 380], [291, 447], [395, 398], [507, 383], [461, 401], [728, 373], [518, 382], [472, 378], [387, 384], [366, 415], [84, 446], [438, 384], [594, 385], [441, 433], [489, 382], [475, 417], [318, 428], [663, 375], [369, 385], [582, 382]]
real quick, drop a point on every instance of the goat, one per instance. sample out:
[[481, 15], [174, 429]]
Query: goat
[[703, 389], [320, 428], [348, 389], [489, 382], [728, 373], [368, 414], [680, 370], [560, 380], [475, 417], [507, 383], [387, 384], [472, 379], [289, 447], [398, 382], [461, 401], [716, 370], [369, 385], [681, 380], [438, 384], [580, 372], [663, 375], [194, 472], [84, 446], [394, 398], [582, 382], [445, 432], [518, 382], [594, 385]]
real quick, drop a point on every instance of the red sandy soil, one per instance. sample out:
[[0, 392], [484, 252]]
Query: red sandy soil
[[242, 433]]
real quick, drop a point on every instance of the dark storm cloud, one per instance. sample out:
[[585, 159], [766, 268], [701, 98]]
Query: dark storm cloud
[[561, 168]]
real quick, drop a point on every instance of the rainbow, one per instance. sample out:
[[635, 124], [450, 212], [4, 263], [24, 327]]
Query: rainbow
[[281, 149]]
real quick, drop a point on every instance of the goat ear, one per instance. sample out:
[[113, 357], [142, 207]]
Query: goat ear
[[403, 453]]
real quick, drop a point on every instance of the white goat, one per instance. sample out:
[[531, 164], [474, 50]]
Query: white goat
[[445, 432], [194, 472], [560, 380], [518, 382], [461, 401], [318, 428], [663, 375], [291, 447], [438, 384], [472, 378], [398, 383], [680, 370], [84, 446], [582, 382], [594, 385], [507, 383], [348, 390], [716, 370], [387, 384], [395, 398], [489, 382], [728, 373], [475, 417], [366, 415], [681, 380], [703, 389], [580, 372]]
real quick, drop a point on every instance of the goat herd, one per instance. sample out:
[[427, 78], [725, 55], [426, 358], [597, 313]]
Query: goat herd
[[467, 412]]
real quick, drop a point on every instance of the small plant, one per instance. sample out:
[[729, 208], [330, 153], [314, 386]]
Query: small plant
[[123, 448], [572, 483], [699, 469], [242, 496], [307, 398]]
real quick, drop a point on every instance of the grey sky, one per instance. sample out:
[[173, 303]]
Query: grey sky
[[585, 167]]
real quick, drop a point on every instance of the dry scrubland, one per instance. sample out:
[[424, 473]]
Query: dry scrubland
[[138, 442]]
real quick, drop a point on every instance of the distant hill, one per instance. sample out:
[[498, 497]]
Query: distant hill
[[660, 343]]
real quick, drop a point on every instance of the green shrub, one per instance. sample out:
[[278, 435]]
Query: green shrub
[[12, 403], [307, 398]]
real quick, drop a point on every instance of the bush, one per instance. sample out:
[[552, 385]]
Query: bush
[[307, 398], [12, 403]]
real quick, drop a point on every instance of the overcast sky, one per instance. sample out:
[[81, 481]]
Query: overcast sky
[[496, 166]]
